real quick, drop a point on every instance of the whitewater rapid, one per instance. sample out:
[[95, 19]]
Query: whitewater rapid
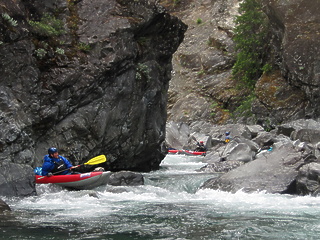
[[169, 206]]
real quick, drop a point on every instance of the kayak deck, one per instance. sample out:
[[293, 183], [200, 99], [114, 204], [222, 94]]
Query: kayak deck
[[186, 152], [81, 181]]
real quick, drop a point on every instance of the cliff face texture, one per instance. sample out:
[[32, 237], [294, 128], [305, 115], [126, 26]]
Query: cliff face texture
[[88, 77], [295, 26], [203, 63]]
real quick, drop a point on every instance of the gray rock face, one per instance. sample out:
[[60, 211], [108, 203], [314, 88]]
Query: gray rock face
[[98, 88], [202, 65], [16, 180], [109, 100], [308, 179], [303, 130], [296, 28]]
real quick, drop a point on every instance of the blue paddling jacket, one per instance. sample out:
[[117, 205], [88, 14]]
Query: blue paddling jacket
[[53, 165]]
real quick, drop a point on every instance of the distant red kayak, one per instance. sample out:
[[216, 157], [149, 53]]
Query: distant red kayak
[[76, 181], [187, 152]]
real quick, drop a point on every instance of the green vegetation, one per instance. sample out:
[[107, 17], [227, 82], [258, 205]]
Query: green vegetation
[[48, 26], [250, 38], [175, 2], [267, 68], [201, 72], [59, 51], [40, 52], [83, 47], [245, 108], [143, 71], [10, 20], [199, 21]]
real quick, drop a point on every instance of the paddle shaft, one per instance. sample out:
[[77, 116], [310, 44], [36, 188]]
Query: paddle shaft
[[66, 169], [194, 138]]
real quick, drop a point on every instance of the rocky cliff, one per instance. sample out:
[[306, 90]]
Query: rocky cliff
[[202, 87], [205, 101], [88, 77]]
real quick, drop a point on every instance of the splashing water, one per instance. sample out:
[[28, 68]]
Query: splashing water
[[169, 206]]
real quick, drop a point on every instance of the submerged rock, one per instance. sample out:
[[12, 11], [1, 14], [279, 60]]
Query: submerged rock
[[126, 178], [4, 207]]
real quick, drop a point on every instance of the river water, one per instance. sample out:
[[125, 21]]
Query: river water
[[168, 206]]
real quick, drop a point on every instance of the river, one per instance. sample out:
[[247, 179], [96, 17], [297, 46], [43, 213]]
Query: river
[[169, 206]]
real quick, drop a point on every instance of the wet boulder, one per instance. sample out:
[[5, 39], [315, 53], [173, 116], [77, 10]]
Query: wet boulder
[[4, 207], [16, 180], [126, 178]]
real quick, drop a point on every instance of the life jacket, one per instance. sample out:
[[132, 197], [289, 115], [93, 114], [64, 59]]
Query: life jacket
[[59, 166]]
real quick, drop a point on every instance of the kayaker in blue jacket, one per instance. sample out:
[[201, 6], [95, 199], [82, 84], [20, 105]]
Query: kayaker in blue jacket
[[54, 164], [227, 138]]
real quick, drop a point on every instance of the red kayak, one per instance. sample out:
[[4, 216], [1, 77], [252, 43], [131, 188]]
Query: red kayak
[[187, 152], [81, 181]]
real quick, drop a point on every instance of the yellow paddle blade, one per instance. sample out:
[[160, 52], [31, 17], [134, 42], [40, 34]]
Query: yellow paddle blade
[[96, 160]]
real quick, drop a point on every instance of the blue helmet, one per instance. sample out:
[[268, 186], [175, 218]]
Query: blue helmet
[[227, 133], [52, 150]]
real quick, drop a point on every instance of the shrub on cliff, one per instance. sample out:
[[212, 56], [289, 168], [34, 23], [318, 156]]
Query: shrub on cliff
[[250, 38], [48, 26]]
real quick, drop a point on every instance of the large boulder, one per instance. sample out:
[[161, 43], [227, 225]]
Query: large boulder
[[177, 134], [240, 149], [273, 172], [308, 180], [16, 180], [305, 130]]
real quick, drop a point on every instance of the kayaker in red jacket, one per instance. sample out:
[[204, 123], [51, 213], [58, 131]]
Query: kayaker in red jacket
[[54, 164], [200, 147]]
